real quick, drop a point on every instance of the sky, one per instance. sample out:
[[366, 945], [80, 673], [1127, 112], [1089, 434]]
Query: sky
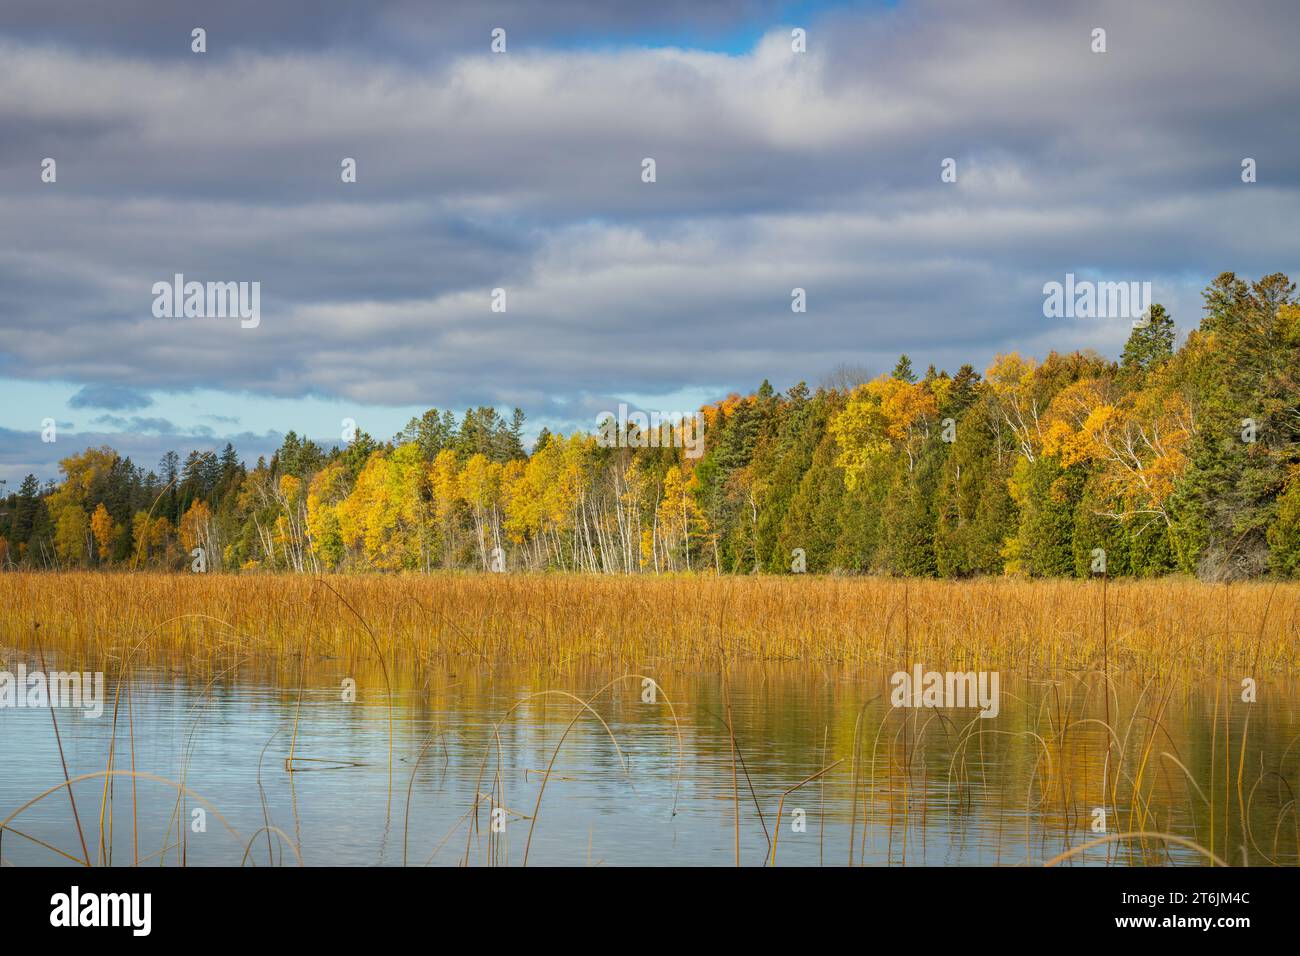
[[775, 169]]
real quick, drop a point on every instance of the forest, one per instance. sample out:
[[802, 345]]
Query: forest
[[1169, 460]]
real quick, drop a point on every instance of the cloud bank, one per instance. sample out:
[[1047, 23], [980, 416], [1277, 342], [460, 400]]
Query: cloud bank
[[522, 171]]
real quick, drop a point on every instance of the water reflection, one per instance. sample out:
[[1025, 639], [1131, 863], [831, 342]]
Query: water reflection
[[284, 763]]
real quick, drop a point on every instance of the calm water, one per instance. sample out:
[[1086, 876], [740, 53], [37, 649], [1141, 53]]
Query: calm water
[[925, 794]]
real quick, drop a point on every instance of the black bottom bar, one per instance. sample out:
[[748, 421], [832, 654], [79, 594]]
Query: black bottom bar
[[334, 906]]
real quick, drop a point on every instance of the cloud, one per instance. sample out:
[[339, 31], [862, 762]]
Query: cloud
[[23, 453], [120, 398], [135, 424], [775, 170], [401, 28]]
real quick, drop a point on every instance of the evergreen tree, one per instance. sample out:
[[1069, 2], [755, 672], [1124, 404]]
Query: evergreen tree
[[1151, 344]]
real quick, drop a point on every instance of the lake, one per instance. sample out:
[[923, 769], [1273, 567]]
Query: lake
[[653, 776]]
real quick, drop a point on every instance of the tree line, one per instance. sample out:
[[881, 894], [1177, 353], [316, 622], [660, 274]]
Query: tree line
[[1167, 460]]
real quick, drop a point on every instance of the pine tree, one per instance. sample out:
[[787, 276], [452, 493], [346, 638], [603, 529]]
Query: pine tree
[[1151, 344]]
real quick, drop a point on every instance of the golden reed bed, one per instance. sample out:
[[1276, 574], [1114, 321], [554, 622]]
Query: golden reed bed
[[1178, 770], [1139, 628]]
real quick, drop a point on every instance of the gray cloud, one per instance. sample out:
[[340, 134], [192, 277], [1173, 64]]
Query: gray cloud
[[407, 28], [135, 424], [121, 398], [774, 170], [23, 453]]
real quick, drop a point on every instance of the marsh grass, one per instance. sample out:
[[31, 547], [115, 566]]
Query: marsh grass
[[1103, 667], [1142, 629]]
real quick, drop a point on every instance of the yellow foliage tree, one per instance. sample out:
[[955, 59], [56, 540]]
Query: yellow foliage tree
[[384, 513], [326, 492], [70, 532], [479, 486], [881, 415], [196, 531], [678, 516], [105, 531]]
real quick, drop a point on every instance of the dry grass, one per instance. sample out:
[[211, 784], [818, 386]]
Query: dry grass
[[1112, 676], [1151, 628]]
